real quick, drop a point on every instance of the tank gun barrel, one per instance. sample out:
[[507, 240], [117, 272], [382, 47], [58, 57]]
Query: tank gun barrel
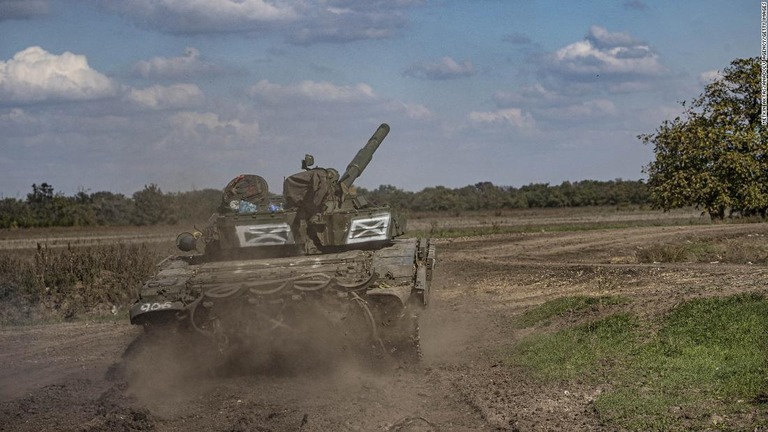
[[363, 156]]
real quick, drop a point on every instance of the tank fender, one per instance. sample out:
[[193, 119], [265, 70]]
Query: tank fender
[[402, 293], [424, 266], [408, 264], [146, 311]]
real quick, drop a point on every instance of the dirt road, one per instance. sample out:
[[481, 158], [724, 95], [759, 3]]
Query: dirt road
[[92, 377]]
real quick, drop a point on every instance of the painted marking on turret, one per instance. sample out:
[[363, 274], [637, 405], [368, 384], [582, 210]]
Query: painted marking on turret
[[368, 229], [264, 235]]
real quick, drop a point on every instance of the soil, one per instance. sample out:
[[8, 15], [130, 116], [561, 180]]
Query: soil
[[113, 376]]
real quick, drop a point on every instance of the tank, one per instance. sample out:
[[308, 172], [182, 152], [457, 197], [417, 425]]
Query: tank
[[317, 262]]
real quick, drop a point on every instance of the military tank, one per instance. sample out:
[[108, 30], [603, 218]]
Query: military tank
[[267, 268]]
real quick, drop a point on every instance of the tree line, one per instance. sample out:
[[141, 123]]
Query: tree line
[[43, 207], [487, 196]]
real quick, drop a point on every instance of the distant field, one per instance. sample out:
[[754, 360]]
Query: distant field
[[29, 238], [419, 223]]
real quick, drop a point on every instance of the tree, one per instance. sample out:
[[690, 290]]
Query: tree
[[195, 206], [438, 198], [151, 206], [42, 204], [40, 194], [111, 208], [389, 195], [15, 213], [716, 156]]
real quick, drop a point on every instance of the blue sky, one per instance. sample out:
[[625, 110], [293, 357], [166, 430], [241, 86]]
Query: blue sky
[[114, 95]]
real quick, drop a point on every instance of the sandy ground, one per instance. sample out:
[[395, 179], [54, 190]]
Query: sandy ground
[[111, 376]]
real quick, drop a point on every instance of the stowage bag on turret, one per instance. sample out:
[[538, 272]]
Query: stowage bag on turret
[[308, 190]]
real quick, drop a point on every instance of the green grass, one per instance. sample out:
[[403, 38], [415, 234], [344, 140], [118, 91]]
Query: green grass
[[572, 353], [564, 306], [708, 360]]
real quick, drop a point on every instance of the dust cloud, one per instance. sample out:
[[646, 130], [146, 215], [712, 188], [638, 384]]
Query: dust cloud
[[292, 377]]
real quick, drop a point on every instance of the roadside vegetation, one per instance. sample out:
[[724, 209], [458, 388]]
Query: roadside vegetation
[[700, 366], [748, 249], [73, 282]]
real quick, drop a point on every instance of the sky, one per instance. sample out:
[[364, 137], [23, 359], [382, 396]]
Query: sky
[[113, 95]]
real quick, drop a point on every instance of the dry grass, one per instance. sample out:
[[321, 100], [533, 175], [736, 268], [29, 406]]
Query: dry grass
[[748, 249], [71, 282]]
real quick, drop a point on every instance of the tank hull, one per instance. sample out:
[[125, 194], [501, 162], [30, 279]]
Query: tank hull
[[375, 296]]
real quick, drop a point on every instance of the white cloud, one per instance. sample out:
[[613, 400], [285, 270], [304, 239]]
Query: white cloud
[[188, 65], [597, 108], [184, 15], [513, 116], [603, 53], [201, 127], [412, 111], [710, 76], [652, 117], [602, 38], [417, 111], [190, 121], [18, 122], [312, 91], [166, 97], [13, 115], [636, 86], [529, 95], [444, 69], [35, 75], [300, 22]]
